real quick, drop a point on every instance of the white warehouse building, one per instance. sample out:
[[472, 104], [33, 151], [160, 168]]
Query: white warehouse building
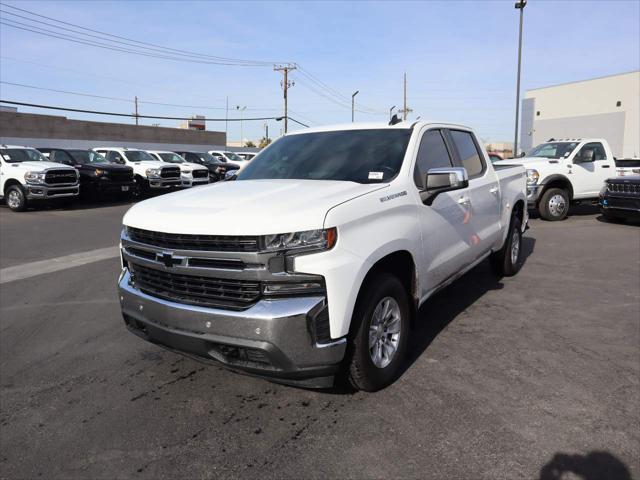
[[606, 107]]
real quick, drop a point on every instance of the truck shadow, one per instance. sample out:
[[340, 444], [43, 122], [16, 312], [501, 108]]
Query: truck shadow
[[441, 309], [595, 465]]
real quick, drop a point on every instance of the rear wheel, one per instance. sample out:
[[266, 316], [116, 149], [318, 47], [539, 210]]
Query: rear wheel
[[507, 261], [377, 350], [554, 204], [16, 199]]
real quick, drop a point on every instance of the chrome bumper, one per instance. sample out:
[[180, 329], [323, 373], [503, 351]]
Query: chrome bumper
[[533, 192], [165, 182], [271, 338], [45, 192], [194, 182]]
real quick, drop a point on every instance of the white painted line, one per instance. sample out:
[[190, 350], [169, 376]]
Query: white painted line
[[32, 269]]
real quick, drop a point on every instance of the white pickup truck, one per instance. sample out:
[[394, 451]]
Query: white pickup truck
[[27, 176], [316, 258], [193, 174], [560, 172], [149, 174]]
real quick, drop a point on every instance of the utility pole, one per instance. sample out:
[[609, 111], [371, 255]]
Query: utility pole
[[226, 123], [286, 84], [135, 101], [353, 105], [406, 109], [242, 109], [520, 4], [266, 132]]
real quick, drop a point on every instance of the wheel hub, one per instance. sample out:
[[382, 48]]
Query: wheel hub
[[384, 332], [557, 205]]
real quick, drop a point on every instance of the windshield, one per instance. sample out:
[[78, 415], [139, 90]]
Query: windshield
[[553, 149], [234, 157], [17, 155], [87, 156], [139, 156], [171, 157], [363, 156]]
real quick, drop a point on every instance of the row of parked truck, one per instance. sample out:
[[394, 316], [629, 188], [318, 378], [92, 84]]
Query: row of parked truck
[[54, 174]]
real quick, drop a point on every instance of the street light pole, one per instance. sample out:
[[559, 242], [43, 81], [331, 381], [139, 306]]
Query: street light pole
[[242, 109], [353, 105], [520, 4]]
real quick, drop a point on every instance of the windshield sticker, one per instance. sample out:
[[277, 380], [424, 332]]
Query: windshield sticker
[[6, 157], [393, 195], [375, 175]]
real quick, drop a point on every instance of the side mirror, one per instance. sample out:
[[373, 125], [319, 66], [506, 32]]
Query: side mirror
[[440, 180], [585, 156], [230, 175]]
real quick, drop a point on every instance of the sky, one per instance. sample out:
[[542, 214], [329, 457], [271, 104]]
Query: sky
[[460, 58]]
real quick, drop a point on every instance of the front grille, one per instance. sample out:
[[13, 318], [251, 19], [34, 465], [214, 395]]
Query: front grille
[[195, 290], [55, 177], [121, 176], [624, 187], [200, 173], [210, 243], [170, 172]]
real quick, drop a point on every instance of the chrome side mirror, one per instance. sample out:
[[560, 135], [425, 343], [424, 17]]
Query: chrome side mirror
[[440, 180]]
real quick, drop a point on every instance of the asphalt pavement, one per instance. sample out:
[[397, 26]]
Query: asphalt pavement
[[528, 377]]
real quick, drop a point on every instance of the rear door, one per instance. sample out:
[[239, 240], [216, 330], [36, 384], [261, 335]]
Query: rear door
[[444, 230], [482, 205]]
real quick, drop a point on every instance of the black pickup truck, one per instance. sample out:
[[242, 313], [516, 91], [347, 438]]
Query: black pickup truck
[[217, 168], [620, 198], [98, 176]]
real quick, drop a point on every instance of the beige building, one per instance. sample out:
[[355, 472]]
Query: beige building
[[606, 107]]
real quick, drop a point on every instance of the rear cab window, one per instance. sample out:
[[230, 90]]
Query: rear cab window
[[468, 152]]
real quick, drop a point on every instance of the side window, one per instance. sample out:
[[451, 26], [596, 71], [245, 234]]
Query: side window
[[61, 157], [468, 151], [113, 156], [596, 148], [432, 153]]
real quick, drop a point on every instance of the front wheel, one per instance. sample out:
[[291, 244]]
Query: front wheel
[[554, 204], [16, 199], [507, 261], [377, 350]]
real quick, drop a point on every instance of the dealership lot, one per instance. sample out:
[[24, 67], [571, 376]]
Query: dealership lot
[[506, 379]]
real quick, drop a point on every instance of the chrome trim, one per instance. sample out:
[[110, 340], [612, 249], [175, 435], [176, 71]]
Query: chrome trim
[[338, 342]]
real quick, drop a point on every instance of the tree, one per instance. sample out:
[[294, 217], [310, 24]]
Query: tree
[[264, 141], [250, 144]]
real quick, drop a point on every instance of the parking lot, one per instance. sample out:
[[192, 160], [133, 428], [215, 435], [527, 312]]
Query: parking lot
[[527, 377]]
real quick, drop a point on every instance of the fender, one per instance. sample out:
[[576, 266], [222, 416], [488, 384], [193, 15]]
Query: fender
[[556, 177]]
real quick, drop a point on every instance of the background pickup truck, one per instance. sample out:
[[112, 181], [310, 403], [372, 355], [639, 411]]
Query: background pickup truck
[[560, 172], [315, 260]]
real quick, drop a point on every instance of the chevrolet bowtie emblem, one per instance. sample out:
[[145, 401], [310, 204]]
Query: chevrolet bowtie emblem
[[167, 259]]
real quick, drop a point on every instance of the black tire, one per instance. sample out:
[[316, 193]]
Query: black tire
[[15, 198], [140, 188], [503, 262], [554, 204], [362, 373]]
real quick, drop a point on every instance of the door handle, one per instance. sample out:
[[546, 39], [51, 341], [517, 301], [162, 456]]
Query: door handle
[[464, 201], [494, 190], [605, 166]]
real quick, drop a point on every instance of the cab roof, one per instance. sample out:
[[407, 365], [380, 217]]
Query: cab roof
[[403, 125]]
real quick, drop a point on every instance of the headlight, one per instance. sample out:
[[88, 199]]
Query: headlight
[[604, 189], [307, 240], [532, 176], [100, 172], [292, 288], [153, 172], [34, 177]]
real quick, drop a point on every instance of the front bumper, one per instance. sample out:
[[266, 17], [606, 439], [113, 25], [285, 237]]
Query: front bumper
[[628, 205], [164, 182], [272, 338], [47, 192], [109, 187], [194, 182], [533, 193]]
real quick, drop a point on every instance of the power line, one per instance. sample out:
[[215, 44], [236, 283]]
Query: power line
[[129, 115], [129, 41]]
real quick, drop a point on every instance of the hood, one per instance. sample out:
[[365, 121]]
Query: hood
[[109, 167], [245, 207], [39, 166], [151, 163], [191, 166]]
